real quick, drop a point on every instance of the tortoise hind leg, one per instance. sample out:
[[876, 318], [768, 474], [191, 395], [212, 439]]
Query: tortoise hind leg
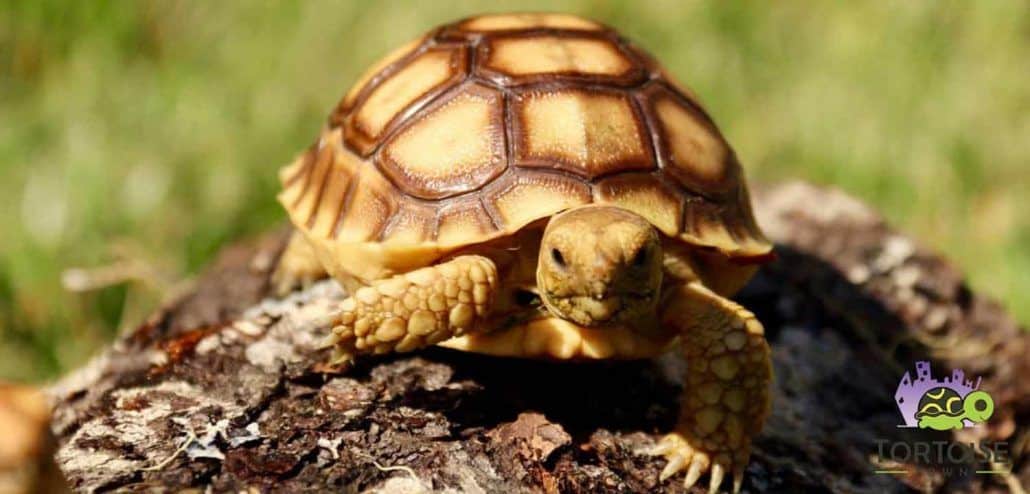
[[415, 309], [726, 396], [297, 266]]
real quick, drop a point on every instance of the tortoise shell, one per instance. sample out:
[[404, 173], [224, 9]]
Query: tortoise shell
[[940, 401], [491, 123]]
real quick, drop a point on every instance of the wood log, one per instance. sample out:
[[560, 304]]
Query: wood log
[[225, 388]]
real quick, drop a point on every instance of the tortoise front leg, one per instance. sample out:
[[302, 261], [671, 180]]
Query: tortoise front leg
[[415, 309], [726, 399]]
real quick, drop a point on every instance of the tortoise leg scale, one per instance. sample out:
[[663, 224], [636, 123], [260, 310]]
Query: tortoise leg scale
[[726, 396], [416, 309]]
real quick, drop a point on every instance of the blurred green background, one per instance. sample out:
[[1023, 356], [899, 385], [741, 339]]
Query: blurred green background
[[136, 138]]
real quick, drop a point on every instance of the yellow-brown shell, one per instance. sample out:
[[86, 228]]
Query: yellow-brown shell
[[486, 125]]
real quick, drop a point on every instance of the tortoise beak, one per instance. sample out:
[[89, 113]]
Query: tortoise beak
[[601, 309]]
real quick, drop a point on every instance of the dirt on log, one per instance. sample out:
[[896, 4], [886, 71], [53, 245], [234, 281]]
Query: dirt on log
[[226, 389]]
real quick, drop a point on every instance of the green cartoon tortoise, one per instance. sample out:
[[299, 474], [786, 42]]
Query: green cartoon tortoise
[[944, 409]]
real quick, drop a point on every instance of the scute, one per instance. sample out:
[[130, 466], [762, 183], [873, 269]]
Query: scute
[[371, 204], [522, 198], [585, 132], [645, 195], [431, 71], [729, 226], [293, 176], [332, 197], [489, 124], [307, 199], [463, 223], [453, 148], [694, 151], [520, 59], [398, 53], [414, 222]]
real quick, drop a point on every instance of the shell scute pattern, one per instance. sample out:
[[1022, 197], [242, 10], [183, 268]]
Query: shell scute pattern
[[491, 123], [463, 222], [455, 147], [690, 146], [584, 132], [373, 201], [528, 58], [646, 195], [426, 74], [521, 198]]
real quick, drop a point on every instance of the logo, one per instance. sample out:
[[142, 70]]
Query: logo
[[946, 404]]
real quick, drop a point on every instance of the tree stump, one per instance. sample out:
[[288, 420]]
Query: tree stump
[[225, 388]]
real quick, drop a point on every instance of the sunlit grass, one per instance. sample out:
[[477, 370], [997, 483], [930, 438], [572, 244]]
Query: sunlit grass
[[151, 131]]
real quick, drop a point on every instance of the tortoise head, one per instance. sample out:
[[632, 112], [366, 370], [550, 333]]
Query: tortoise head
[[600, 265], [978, 406]]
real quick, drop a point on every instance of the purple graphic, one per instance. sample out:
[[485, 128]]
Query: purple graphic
[[910, 392]]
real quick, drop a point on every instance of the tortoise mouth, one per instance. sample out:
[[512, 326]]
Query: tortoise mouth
[[599, 311]]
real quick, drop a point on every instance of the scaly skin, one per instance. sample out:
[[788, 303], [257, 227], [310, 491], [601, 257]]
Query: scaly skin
[[297, 266], [416, 309], [726, 397]]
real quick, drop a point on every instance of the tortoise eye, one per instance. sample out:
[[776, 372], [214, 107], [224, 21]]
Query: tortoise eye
[[640, 259], [557, 257]]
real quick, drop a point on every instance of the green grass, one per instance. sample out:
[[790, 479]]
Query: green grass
[[150, 132]]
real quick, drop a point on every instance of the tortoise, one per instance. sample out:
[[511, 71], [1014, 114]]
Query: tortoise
[[943, 409], [535, 185]]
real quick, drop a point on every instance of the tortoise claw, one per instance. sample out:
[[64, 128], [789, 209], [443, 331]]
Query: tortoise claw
[[674, 465], [738, 479], [697, 461], [717, 475], [694, 472]]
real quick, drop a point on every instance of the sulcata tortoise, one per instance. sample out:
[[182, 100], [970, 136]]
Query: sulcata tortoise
[[534, 185]]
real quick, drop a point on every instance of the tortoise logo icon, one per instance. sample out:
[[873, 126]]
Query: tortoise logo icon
[[949, 403]]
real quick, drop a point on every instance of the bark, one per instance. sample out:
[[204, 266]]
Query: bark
[[225, 388]]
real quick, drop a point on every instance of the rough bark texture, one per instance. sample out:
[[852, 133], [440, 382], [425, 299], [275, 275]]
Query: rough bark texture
[[225, 388]]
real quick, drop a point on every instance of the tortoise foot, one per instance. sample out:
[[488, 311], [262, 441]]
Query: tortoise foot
[[682, 453]]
